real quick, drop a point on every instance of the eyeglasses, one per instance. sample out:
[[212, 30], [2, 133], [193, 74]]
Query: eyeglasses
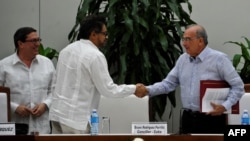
[[188, 39], [34, 40], [104, 33]]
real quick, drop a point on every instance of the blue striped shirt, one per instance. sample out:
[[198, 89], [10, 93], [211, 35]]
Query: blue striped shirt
[[187, 73]]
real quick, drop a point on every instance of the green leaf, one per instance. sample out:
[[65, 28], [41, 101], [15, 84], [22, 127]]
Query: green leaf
[[236, 60], [48, 52], [241, 62]]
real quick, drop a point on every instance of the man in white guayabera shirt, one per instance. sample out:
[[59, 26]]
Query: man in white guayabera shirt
[[29, 77], [82, 76]]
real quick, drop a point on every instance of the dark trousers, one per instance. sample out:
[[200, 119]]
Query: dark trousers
[[196, 122]]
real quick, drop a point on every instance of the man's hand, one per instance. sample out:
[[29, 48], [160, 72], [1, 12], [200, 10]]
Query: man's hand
[[23, 111], [141, 90], [217, 109], [39, 109]]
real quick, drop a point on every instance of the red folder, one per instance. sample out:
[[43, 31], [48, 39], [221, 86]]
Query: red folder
[[204, 84]]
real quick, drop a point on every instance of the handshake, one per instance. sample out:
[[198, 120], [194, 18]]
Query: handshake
[[141, 90]]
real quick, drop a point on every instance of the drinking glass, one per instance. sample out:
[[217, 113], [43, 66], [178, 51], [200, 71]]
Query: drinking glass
[[105, 127]]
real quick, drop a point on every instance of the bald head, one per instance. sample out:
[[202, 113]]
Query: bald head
[[199, 32]]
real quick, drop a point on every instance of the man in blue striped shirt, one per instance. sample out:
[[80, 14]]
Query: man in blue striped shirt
[[200, 62]]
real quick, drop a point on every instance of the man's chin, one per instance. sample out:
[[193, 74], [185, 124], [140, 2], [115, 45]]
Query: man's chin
[[36, 53]]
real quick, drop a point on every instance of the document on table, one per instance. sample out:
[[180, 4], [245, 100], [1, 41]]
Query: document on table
[[215, 95]]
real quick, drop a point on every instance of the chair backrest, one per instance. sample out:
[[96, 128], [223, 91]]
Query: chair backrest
[[5, 104], [122, 112], [244, 104]]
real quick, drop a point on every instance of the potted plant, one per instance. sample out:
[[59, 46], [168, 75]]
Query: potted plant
[[48, 52], [241, 62], [144, 40]]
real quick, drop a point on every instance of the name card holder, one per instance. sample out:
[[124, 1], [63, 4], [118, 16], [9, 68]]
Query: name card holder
[[149, 128], [7, 129]]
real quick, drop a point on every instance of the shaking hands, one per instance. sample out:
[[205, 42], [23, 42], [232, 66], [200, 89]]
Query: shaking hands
[[141, 90]]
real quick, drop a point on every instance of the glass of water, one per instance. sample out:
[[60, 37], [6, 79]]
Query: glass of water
[[105, 126]]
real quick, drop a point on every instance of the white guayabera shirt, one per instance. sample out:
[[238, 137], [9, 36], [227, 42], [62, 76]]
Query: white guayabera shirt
[[82, 77], [28, 86]]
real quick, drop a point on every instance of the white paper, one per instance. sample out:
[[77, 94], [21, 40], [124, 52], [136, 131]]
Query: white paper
[[215, 95]]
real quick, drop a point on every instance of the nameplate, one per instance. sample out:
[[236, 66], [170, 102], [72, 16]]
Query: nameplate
[[7, 129], [149, 128]]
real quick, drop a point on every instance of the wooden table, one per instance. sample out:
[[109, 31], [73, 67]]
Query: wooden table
[[114, 138]]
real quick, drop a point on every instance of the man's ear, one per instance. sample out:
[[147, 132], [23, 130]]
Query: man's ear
[[93, 34], [93, 37], [20, 43]]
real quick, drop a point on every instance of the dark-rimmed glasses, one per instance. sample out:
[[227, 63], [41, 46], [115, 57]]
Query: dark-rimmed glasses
[[104, 33], [34, 40]]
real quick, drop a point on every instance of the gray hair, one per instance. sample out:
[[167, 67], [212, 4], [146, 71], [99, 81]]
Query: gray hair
[[200, 33]]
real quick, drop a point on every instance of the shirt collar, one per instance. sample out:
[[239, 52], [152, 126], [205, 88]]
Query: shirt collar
[[17, 59], [89, 42], [191, 59], [204, 53], [201, 56]]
